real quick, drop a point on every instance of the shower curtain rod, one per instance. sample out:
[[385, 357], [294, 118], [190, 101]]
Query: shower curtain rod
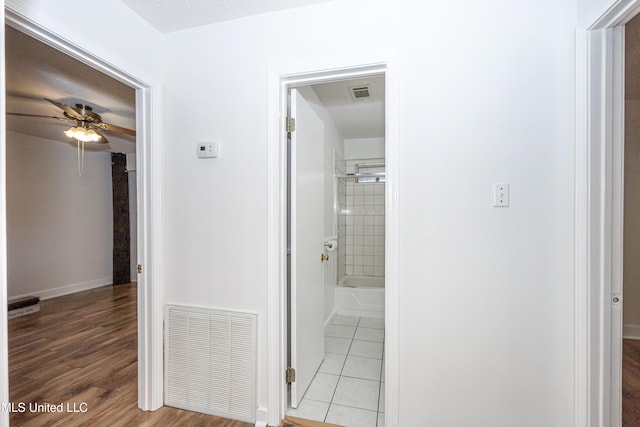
[[370, 165], [361, 175]]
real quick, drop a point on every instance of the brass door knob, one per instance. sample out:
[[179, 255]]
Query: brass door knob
[[324, 257]]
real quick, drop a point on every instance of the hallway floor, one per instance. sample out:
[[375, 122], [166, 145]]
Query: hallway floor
[[348, 388], [80, 352]]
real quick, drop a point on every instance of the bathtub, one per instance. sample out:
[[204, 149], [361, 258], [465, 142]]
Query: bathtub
[[360, 296]]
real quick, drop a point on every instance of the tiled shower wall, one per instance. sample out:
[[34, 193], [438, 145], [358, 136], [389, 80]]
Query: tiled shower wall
[[360, 222]]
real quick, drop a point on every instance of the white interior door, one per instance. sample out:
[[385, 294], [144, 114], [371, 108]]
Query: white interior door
[[307, 245]]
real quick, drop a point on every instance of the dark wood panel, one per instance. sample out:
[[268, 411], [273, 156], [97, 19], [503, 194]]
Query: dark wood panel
[[121, 228], [83, 348]]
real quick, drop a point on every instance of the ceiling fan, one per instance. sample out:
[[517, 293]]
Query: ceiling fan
[[88, 127]]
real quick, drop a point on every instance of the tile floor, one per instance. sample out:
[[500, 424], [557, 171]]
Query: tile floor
[[348, 388]]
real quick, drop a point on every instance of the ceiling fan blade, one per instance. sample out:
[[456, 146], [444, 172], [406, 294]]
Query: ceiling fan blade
[[114, 128], [70, 111], [66, 119]]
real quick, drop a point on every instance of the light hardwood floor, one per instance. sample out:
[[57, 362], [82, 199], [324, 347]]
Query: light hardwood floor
[[82, 349]]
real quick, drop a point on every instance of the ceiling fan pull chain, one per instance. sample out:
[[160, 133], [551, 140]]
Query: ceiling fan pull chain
[[80, 158]]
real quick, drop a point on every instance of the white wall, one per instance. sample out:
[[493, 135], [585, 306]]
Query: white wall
[[485, 96], [364, 148], [59, 224], [586, 7]]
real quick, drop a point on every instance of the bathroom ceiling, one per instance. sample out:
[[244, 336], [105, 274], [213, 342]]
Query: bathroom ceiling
[[355, 118], [35, 71]]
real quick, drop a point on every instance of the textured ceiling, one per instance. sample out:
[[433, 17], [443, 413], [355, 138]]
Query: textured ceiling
[[173, 15], [35, 71], [355, 119]]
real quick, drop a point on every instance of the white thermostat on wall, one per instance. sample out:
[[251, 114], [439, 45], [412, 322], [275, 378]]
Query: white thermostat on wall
[[207, 150]]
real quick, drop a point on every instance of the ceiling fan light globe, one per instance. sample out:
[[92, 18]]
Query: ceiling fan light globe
[[92, 136], [82, 134], [71, 132]]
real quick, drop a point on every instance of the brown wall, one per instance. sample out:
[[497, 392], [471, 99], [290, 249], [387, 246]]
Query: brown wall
[[631, 275]]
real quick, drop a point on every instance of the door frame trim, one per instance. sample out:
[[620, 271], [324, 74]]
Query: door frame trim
[[599, 180], [281, 77], [149, 244]]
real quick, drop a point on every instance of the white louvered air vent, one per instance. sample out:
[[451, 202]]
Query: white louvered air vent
[[359, 93], [210, 361]]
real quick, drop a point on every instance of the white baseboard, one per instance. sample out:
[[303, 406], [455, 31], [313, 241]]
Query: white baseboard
[[261, 417], [66, 290], [330, 318], [631, 332]]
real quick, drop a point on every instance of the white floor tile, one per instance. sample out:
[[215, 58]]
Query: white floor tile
[[366, 349], [310, 409], [370, 334], [332, 363], [322, 387], [347, 389], [351, 417], [371, 322], [340, 331], [345, 320], [336, 345], [357, 393], [362, 367]]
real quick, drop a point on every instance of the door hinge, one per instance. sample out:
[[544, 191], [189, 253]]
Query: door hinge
[[139, 268], [290, 375], [290, 124]]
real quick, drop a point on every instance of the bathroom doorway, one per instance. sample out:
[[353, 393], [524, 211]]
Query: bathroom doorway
[[336, 250]]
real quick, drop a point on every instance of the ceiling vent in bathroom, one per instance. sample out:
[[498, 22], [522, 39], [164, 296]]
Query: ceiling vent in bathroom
[[359, 93]]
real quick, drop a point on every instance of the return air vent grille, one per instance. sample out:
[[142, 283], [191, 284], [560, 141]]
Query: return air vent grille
[[359, 93], [210, 361]]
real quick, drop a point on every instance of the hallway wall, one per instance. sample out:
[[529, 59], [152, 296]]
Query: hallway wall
[[484, 96]]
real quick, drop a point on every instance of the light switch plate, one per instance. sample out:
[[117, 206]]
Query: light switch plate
[[501, 195]]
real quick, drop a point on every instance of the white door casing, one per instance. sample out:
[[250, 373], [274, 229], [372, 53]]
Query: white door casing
[[307, 238]]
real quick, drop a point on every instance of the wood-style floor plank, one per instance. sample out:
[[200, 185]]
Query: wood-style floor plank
[[83, 348], [631, 383]]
